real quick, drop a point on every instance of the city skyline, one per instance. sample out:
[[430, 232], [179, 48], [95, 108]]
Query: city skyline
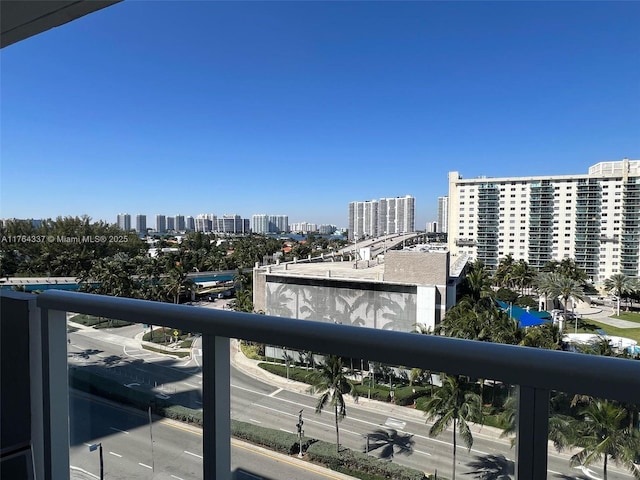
[[303, 107]]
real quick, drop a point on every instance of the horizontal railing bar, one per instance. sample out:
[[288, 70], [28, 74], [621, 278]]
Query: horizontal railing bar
[[599, 376]]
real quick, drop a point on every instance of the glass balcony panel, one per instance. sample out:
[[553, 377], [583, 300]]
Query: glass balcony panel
[[120, 384]]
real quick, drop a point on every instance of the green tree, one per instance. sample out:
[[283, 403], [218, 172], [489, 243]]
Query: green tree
[[604, 434], [620, 284], [502, 276], [332, 384], [454, 403]]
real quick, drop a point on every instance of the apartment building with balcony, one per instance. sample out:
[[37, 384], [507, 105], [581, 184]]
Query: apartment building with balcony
[[593, 218], [374, 218]]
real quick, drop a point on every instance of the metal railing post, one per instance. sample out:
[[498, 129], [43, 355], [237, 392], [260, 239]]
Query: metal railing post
[[55, 394], [216, 408], [533, 433]]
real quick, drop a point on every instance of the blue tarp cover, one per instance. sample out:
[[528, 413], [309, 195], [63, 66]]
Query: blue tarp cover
[[524, 318]]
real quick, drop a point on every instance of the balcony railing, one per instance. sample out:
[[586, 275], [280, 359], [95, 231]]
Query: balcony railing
[[535, 372]]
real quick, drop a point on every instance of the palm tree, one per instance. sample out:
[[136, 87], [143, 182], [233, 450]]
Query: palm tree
[[522, 276], [502, 277], [556, 285], [454, 402], [620, 284], [477, 282], [604, 433], [332, 384]]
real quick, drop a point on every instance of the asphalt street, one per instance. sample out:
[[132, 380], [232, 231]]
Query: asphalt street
[[396, 434]]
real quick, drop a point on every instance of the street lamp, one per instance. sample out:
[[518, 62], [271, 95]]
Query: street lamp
[[93, 448]]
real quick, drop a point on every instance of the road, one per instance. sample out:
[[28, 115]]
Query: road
[[401, 437], [125, 435]]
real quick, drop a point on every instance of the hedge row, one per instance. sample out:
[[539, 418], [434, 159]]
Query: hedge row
[[295, 373], [99, 322], [403, 395], [352, 461]]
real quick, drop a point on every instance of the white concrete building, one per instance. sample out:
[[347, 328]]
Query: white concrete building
[[374, 218], [443, 214], [593, 218], [124, 221]]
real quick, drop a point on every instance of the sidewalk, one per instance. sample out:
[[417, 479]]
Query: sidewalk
[[604, 314]]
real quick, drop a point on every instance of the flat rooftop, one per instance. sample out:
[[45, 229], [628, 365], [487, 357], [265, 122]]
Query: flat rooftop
[[345, 270]]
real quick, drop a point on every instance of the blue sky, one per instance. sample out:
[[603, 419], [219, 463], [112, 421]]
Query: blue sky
[[298, 108]]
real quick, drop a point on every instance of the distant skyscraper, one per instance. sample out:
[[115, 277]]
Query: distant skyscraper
[[432, 227], [326, 229], [203, 223], [190, 224], [443, 213], [171, 224], [161, 223], [233, 224], [363, 219], [178, 223], [124, 221], [260, 223], [304, 227], [141, 223], [377, 217]]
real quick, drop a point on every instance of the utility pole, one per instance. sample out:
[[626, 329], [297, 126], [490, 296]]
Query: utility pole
[[300, 431]]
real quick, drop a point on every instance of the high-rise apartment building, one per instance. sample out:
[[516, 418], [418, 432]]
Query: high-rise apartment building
[[124, 221], [161, 223], [262, 223], [203, 223], [363, 219], [141, 223], [171, 224], [443, 214], [190, 224], [178, 223], [377, 217], [233, 224], [593, 218], [304, 227]]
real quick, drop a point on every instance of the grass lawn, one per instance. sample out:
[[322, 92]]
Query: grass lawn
[[630, 316], [633, 333]]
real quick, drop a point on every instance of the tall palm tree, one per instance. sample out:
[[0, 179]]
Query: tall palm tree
[[604, 433], [620, 284], [556, 285], [454, 403], [522, 276], [332, 384], [478, 282], [502, 277]]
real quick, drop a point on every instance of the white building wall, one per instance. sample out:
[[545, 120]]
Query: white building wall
[[514, 214]]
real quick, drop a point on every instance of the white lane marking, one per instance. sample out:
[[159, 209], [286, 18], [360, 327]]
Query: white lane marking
[[253, 391], [115, 454], [254, 421], [193, 454], [144, 465], [328, 425], [177, 478], [274, 393], [395, 423], [285, 430], [84, 471], [423, 453], [191, 385], [118, 430], [88, 444]]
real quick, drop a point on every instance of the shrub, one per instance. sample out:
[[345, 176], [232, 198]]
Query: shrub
[[277, 440], [350, 461], [295, 373]]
